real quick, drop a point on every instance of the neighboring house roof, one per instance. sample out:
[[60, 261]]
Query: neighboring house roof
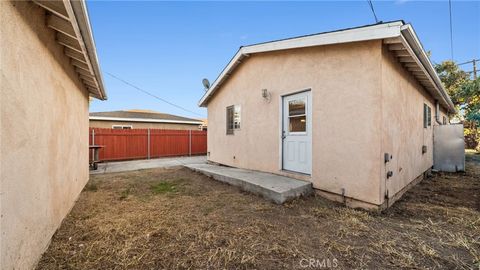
[[400, 38], [69, 18], [142, 116]]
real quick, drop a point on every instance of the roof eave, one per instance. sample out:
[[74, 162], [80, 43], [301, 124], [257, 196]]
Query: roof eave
[[69, 18], [380, 31], [396, 31], [81, 14], [143, 120], [409, 35]]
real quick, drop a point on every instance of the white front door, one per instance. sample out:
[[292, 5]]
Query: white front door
[[297, 133]]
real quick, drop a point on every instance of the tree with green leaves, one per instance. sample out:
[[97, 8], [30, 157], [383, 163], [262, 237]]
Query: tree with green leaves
[[465, 95], [452, 78]]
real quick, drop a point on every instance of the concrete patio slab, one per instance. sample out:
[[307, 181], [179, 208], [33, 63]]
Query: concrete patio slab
[[133, 165], [276, 188]]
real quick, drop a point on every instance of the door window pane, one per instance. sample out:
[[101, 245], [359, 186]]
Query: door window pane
[[297, 124], [296, 107]]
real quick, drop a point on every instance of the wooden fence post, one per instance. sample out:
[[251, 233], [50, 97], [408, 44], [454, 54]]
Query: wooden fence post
[[189, 142], [93, 143], [148, 143]]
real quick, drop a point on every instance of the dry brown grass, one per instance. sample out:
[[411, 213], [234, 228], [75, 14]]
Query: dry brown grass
[[174, 218]]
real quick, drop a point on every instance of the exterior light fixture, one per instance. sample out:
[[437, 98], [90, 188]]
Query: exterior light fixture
[[264, 93]]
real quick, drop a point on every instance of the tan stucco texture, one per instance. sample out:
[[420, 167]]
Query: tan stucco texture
[[364, 105], [44, 135], [403, 130], [345, 81], [109, 124]]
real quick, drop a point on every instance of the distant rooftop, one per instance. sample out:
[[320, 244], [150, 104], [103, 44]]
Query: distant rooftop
[[138, 115]]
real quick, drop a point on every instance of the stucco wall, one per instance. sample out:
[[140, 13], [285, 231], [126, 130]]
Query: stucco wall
[[108, 124], [345, 81], [403, 130], [44, 127]]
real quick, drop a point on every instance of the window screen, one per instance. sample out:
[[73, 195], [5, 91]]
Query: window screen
[[427, 116], [230, 120]]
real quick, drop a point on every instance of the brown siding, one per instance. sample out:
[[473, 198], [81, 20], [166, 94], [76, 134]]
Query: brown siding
[[135, 125], [44, 127]]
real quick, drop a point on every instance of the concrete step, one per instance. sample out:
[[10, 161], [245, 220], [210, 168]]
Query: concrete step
[[276, 188]]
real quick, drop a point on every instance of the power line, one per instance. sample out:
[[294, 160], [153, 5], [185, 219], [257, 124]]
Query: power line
[[152, 95], [451, 28], [468, 62], [373, 10]]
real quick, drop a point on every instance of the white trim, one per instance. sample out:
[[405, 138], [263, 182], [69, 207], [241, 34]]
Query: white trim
[[81, 20], [280, 133], [380, 31], [309, 126], [146, 120], [414, 44], [73, 13]]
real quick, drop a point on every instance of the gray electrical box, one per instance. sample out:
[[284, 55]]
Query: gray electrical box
[[448, 148]]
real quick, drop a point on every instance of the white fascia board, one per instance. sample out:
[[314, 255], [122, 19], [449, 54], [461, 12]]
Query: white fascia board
[[145, 120], [381, 31], [225, 73], [410, 36], [80, 19]]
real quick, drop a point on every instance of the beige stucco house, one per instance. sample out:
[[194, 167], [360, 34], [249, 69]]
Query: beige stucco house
[[351, 111], [48, 68], [134, 119]]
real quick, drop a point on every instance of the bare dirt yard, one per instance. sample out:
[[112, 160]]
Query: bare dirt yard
[[175, 218]]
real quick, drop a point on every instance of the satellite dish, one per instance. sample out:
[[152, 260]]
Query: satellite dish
[[206, 83]]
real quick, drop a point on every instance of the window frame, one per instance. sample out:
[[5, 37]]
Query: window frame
[[304, 99], [237, 122], [233, 121], [230, 110], [427, 116], [122, 127]]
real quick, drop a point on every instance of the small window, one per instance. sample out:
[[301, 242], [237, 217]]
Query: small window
[[233, 118], [122, 127], [444, 120], [427, 116], [429, 119], [297, 116]]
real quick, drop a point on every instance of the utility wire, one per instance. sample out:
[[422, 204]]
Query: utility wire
[[468, 62], [451, 28], [373, 10], [152, 95]]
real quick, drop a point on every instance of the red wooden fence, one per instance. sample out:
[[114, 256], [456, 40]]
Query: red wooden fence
[[125, 144]]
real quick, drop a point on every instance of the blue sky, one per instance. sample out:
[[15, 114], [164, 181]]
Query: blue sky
[[167, 48]]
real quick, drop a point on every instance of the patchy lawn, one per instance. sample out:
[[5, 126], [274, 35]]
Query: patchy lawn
[[175, 218]]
